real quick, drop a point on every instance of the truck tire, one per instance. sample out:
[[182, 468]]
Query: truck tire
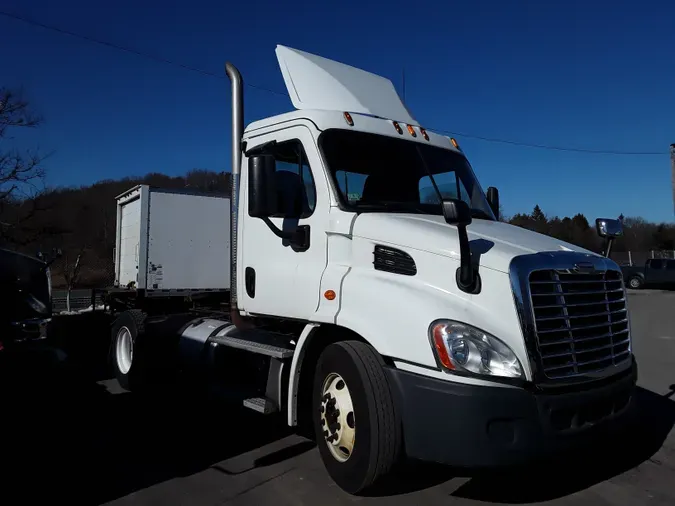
[[356, 425], [635, 282], [125, 349]]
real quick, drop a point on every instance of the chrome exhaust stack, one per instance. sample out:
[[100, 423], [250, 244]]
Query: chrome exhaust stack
[[237, 134]]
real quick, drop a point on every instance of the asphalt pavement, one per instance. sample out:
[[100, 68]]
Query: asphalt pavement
[[70, 434]]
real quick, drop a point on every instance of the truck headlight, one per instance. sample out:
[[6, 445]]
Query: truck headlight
[[463, 348]]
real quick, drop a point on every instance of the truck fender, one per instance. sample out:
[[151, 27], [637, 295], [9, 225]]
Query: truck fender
[[294, 373]]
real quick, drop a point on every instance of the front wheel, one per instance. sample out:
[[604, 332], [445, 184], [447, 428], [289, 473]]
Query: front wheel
[[355, 420], [635, 282]]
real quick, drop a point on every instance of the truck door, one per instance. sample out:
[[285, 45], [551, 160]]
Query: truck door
[[670, 272], [654, 271], [275, 278]]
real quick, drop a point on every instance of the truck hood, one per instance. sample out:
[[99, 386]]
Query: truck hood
[[495, 242]]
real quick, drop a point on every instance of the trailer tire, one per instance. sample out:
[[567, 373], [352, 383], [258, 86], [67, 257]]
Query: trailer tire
[[126, 349], [352, 374]]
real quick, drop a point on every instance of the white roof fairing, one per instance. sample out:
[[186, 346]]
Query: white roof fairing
[[314, 82]]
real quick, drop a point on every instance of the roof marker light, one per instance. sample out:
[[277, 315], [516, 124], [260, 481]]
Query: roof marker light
[[398, 127], [411, 131], [424, 134], [454, 143], [348, 118]]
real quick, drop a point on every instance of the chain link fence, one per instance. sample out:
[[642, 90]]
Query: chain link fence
[[640, 257]]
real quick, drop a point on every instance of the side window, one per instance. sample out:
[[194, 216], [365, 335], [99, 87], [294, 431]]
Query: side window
[[670, 265], [296, 191], [449, 185], [351, 184], [656, 263]]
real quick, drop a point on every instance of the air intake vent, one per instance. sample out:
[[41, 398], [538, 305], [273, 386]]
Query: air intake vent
[[394, 261]]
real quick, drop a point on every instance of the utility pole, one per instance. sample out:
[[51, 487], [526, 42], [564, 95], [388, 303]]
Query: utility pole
[[672, 170]]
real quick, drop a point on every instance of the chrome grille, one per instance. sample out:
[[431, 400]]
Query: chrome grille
[[581, 321]]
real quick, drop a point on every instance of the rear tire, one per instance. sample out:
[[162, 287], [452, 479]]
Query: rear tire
[[635, 282], [126, 352], [356, 425]]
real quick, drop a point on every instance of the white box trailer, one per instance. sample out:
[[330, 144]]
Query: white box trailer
[[172, 242]]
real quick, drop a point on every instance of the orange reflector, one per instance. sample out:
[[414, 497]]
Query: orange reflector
[[348, 119], [424, 134], [398, 128], [441, 350], [329, 294], [454, 142], [411, 131]]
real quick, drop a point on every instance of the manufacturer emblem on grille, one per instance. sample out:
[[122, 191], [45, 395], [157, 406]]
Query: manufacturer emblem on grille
[[584, 267]]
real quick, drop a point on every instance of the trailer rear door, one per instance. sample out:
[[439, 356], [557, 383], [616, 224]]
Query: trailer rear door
[[130, 238]]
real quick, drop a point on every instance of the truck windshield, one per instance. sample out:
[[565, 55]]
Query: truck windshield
[[385, 174]]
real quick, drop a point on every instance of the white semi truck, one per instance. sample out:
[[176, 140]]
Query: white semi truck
[[373, 295]]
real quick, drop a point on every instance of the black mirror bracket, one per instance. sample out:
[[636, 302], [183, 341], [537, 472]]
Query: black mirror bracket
[[299, 237], [467, 277], [473, 288], [458, 213]]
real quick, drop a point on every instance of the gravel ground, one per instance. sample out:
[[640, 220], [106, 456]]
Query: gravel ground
[[73, 435]]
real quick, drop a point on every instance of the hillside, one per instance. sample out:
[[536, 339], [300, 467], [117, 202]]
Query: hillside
[[81, 221]]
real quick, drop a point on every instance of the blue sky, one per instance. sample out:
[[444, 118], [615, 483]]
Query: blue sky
[[583, 74]]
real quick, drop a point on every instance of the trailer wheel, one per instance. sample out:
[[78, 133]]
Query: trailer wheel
[[355, 421], [125, 353], [635, 282]]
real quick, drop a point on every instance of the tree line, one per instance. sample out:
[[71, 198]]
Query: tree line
[[81, 221], [639, 235]]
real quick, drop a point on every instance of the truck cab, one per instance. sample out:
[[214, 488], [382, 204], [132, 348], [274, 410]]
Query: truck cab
[[26, 298], [424, 327]]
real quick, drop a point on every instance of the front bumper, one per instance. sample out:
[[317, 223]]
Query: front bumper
[[25, 331], [477, 426]]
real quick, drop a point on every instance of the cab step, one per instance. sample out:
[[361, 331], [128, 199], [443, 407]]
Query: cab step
[[261, 405], [260, 342], [247, 397]]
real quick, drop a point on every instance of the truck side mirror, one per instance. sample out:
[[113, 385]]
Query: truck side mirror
[[609, 229], [262, 192], [457, 212], [493, 200]]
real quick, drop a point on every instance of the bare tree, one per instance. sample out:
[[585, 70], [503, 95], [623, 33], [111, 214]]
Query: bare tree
[[71, 272], [21, 172]]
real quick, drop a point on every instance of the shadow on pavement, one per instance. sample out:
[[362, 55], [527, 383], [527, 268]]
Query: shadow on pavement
[[67, 437], [611, 456], [410, 477]]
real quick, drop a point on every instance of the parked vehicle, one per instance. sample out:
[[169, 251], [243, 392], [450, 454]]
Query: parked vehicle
[[25, 298], [655, 272], [370, 293]]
